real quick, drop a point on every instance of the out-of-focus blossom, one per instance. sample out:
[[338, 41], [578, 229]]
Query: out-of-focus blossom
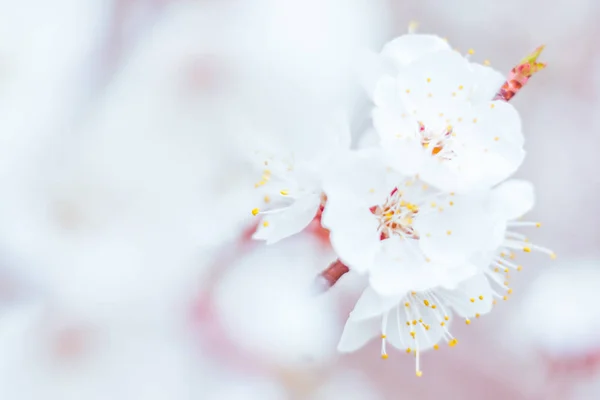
[[437, 119]]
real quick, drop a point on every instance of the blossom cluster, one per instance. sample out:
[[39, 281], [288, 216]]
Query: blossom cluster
[[427, 211]]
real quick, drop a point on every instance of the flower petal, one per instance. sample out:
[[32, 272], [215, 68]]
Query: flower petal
[[454, 234], [513, 199], [357, 333], [487, 83], [408, 48], [471, 297], [292, 220], [397, 269], [372, 304], [353, 234]]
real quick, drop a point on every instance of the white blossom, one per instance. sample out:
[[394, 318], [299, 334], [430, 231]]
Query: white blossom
[[436, 117]]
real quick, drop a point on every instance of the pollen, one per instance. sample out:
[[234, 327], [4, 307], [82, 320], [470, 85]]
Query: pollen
[[407, 304], [419, 373], [468, 321], [426, 302], [480, 297], [472, 300], [284, 192], [527, 249], [384, 356], [436, 346], [446, 317], [383, 336], [408, 350], [255, 211], [453, 342], [412, 333]]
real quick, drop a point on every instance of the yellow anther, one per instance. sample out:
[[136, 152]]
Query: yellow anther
[[407, 304], [436, 346], [371, 190], [494, 302], [461, 87], [519, 268], [407, 323], [446, 317], [451, 203], [426, 302], [384, 356], [474, 120], [433, 204], [267, 172], [496, 138], [412, 333], [448, 232], [527, 249], [383, 336], [538, 224], [471, 52], [265, 223], [428, 80], [284, 192], [419, 373], [413, 293], [407, 91], [504, 298], [441, 209], [480, 297], [442, 323], [553, 256], [453, 342], [433, 306], [267, 199], [408, 350], [472, 300], [486, 62], [496, 269], [255, 211], [509, 291], [506, 283], [477, 315], [441, 114], [468, 321], [492, 105], [414, 322]]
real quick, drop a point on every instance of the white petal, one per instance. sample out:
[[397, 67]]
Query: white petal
[[353, 234], [357, 178], [372, 304], [454, 234], [357, 333], [397, 269], [289, 222], [488, 82], [471, 297], [398, 333], [513, 199], [408, 48], [449, 74]]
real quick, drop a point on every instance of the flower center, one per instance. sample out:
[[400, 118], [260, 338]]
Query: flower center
[[439, 143], [396, 216]]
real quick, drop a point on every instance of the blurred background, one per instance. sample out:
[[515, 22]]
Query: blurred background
[[126, 269]]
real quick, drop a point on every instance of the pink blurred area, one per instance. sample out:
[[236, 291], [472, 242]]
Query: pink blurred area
[[128, 271]]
